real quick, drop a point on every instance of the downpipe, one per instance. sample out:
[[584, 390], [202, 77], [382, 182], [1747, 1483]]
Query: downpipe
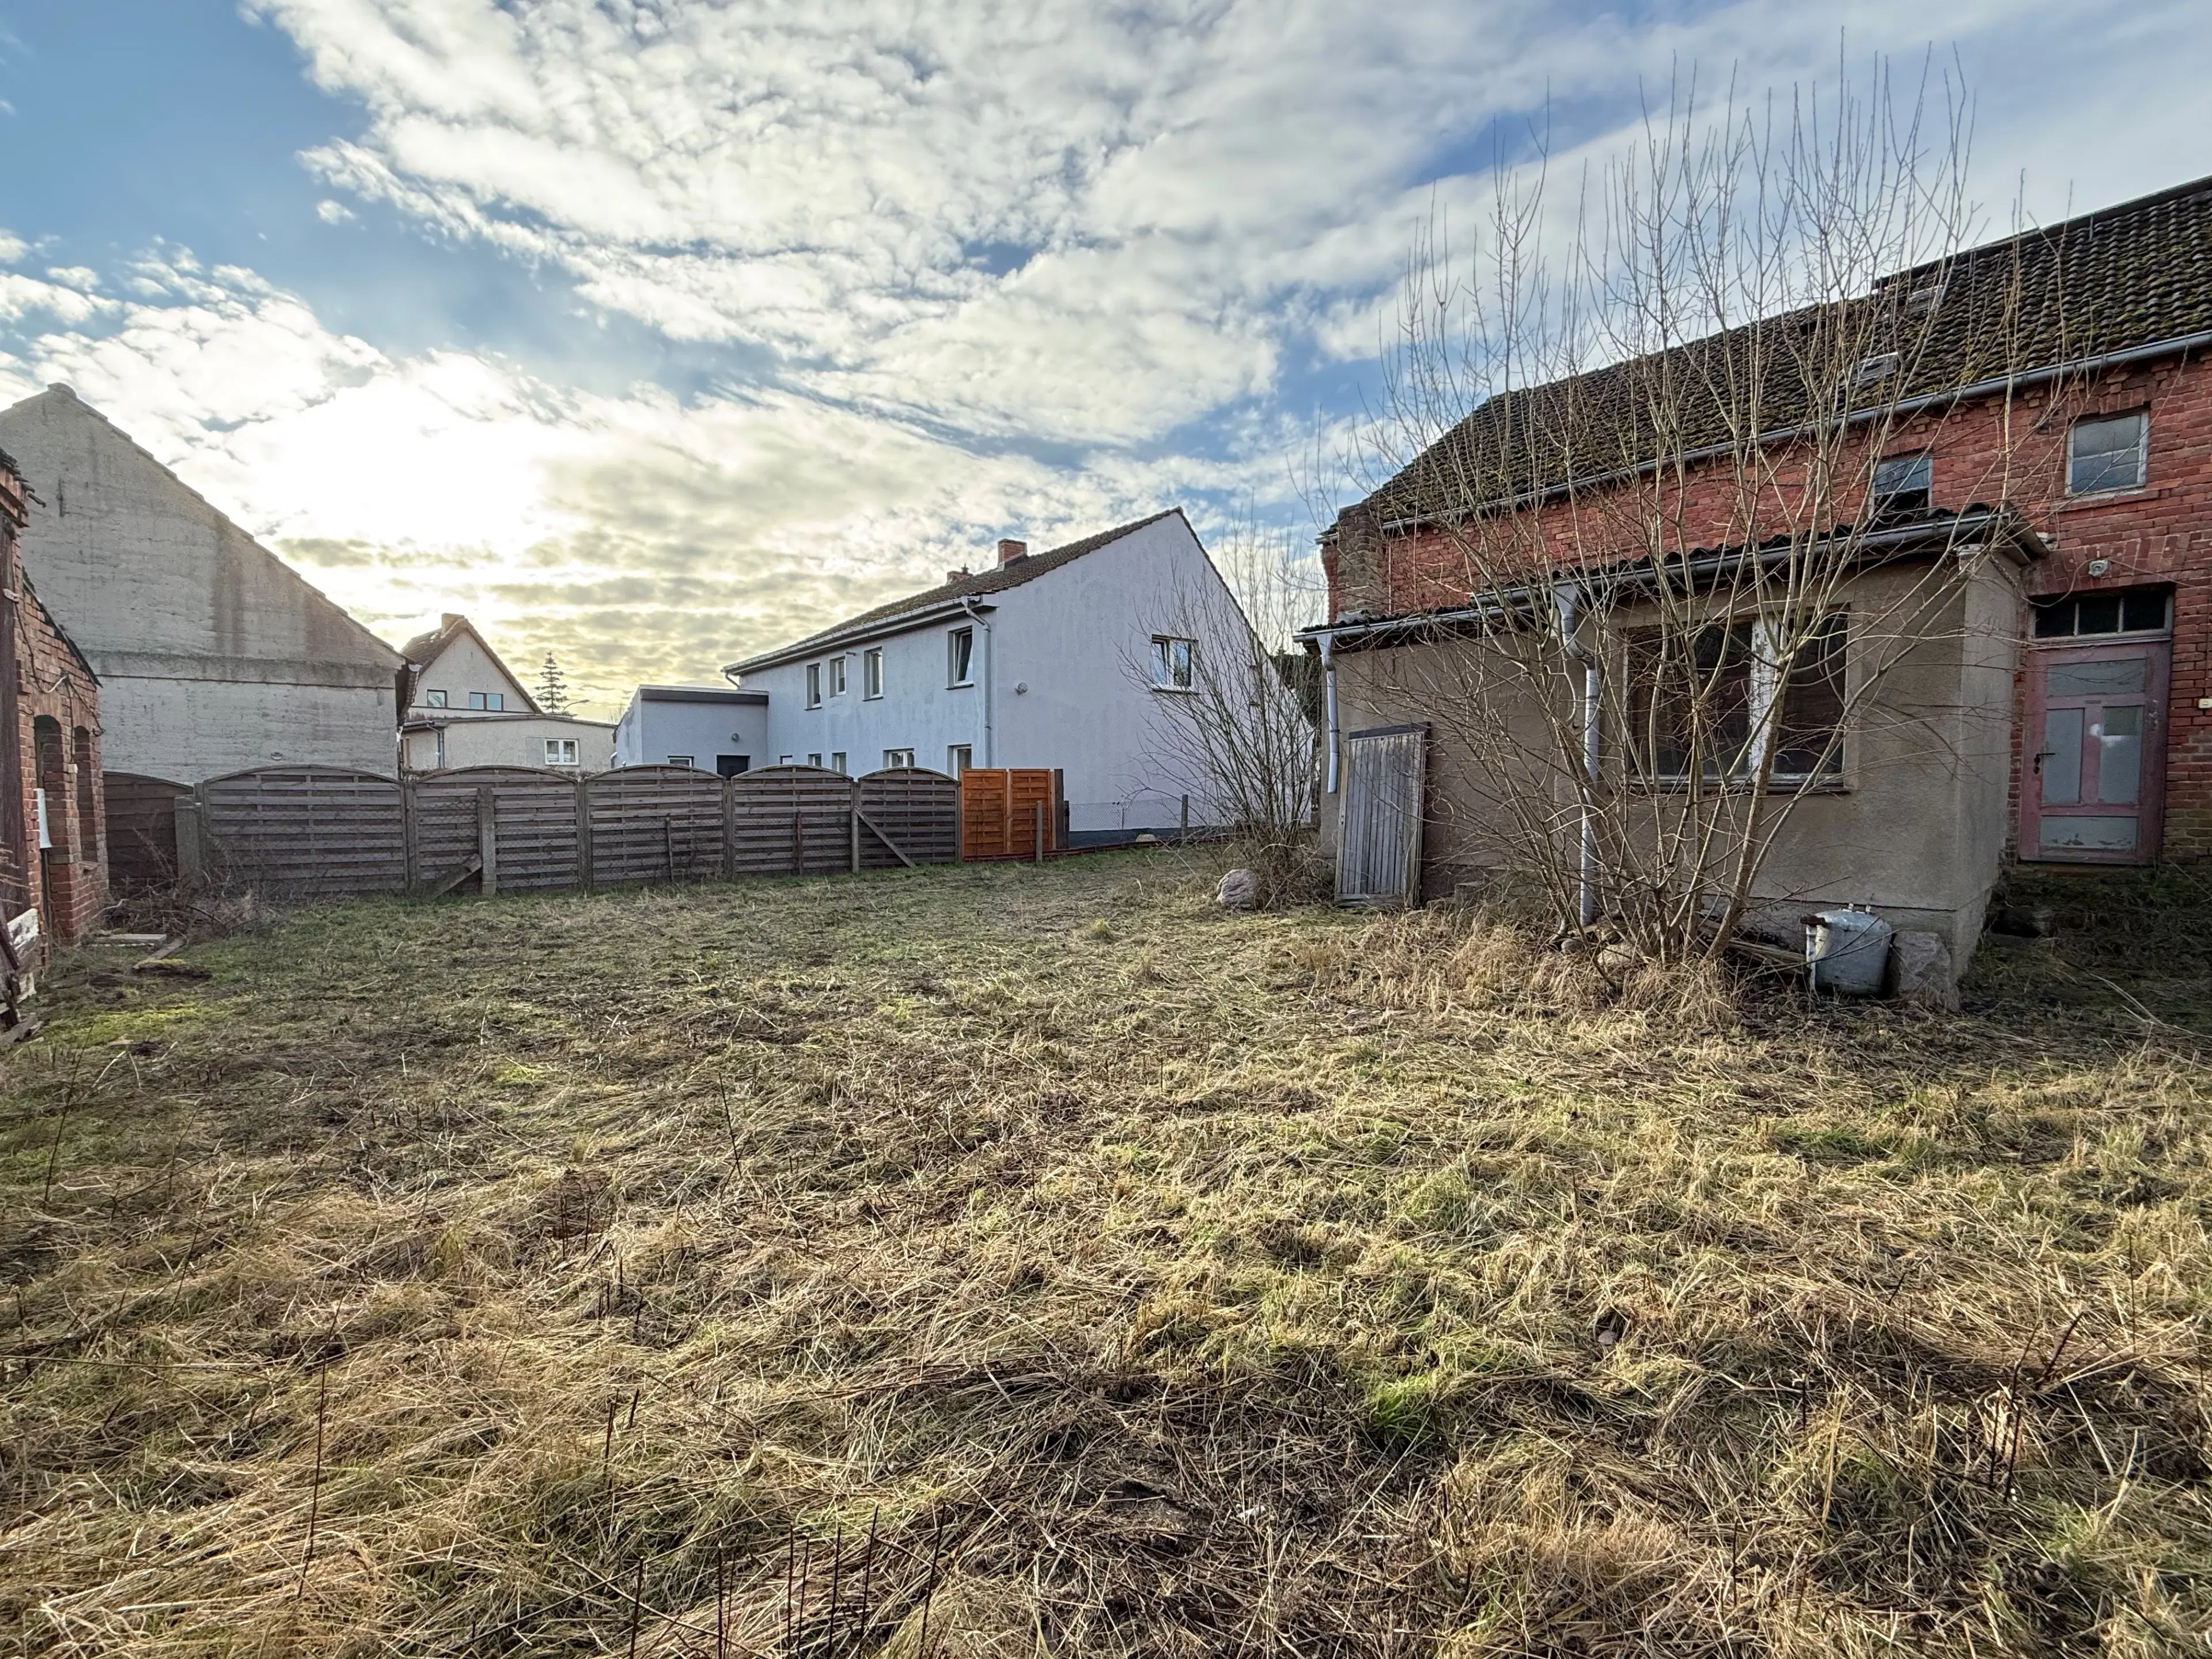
[[1569, 599], [1328, 703], [967, 605]]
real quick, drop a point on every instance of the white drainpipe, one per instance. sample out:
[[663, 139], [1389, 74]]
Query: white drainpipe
[[968, 604], [1569, 599], [1329, 701]]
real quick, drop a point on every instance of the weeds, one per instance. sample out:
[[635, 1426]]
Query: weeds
[[996, 1261]]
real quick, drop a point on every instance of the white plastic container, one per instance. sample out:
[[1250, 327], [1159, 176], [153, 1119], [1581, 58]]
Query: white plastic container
[[1848, 952]]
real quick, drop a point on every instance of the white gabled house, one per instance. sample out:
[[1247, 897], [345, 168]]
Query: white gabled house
[[1062, 659], [459, 705]]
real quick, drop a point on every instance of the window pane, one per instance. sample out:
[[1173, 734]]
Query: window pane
[[2093, 679], [2119, 756], [2142, 610], [2073, 835], [1812, 706], [2062, 756], [1179, 662], [2106, 454], [2053, 621], [2097, 613], [1902, 486]]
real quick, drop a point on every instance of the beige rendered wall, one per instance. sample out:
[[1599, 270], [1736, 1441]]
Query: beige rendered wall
[[515, 743], [462, 667], [1916, 829]]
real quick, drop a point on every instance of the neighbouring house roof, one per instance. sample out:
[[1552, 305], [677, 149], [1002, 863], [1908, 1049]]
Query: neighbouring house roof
[[53, 622], [721, 694], [2126, 278], [916, 608], [425, 649]]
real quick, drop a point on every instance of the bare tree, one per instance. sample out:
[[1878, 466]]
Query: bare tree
[[1667, 482], [1240, 702]]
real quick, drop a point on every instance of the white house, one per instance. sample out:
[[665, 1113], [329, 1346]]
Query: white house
[[459, 706], [1065, 659], [213, 654], [716, 728]]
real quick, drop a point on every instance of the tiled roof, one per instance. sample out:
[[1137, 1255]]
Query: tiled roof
[[996, 580], [422, 650], [2135, 274]]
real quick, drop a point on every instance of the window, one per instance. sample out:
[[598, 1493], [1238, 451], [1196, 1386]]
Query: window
[[1902, 490], [1703, 707], [958, 758], [560, 751], [1880, 367], [814, 685], [960, 657], [2106, 452], [434, 700], [872, 672], [838, 761], [783, 760], [679, 759], [898, 757], [814, 759], [837, 676], [1171, 662], [477, 700], [2132, 610], [729, 766]]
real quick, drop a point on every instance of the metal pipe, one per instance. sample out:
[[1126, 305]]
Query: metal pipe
[[1568, 598], [1328, 701], [967, 605]]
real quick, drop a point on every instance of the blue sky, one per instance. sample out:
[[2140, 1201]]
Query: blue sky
[[652, 331]]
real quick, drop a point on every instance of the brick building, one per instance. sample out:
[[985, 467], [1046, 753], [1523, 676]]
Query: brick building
[[53, 858], [2059, 412]]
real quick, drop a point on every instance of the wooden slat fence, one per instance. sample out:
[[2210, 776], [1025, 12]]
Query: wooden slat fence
[[315, 832], [141, 829], [1002, 808]]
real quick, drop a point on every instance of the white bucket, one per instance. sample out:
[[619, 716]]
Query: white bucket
[[1848, 952]]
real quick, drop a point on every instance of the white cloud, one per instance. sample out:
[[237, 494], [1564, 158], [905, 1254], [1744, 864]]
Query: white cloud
[[332, 212]]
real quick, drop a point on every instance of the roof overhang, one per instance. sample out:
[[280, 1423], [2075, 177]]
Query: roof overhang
[[726, 696], [1999, 530], [823, 644]]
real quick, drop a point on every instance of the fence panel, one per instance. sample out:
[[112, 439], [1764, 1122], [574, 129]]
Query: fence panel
[[308, 830], [534, 812], [142, 829], [791, 820], [913, 811], [1378, 847], [655, 824], [998, 811]]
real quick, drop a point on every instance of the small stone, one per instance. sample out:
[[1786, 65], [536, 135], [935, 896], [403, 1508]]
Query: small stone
[[1617, 961], [1920, 972], [1239, 891]]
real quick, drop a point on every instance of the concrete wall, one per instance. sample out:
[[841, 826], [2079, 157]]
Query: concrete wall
[[213, 654], [1917, 827], [511, 740], [1066, 682], [705, 722]]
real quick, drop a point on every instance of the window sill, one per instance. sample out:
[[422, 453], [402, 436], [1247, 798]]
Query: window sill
[[960, 685], [872, 696], [1774, 787], [1176, 690], [2109, 498]]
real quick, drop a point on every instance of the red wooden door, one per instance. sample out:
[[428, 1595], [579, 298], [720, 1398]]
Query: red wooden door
[[2093, 783]]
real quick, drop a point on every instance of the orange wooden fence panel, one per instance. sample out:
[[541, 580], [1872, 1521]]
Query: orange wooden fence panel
[[999, 815]]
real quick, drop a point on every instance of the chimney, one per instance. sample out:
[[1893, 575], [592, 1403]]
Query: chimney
[[951, 577], [1010, 549], [449, 621]]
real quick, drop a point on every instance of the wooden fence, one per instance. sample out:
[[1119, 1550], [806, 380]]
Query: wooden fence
[[1011, 812], [320, 832]]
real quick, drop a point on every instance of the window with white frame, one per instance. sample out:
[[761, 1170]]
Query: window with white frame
[[898, 757], [837, 676], [1703, 704], [814, 759], [1172, 663], [434, 700], [814, 685], [959, 657], [958, 758], [838, 761], [872, 672], [679, 759], [2106, 452], [560, 751]]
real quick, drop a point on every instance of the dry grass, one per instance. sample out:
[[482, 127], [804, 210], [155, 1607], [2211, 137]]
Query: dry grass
[[1049, 1256]]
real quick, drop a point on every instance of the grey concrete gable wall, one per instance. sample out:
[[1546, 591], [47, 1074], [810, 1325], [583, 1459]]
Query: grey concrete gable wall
[[151, 578]]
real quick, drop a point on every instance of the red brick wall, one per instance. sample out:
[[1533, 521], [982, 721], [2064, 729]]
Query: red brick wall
[[2161, 533], [67, 882]]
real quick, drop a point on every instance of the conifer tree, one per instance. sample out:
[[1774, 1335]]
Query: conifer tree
[[552, 687]]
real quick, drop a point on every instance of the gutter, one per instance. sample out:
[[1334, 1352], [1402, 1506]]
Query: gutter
[[2181, 344], [1964, 530]]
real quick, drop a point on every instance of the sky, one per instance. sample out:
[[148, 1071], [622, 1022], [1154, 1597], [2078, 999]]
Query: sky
[[654, 333]]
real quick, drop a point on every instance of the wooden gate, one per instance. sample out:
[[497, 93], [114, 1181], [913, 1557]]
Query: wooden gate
[[141, 829], [1002, 808], [1379, 843]]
